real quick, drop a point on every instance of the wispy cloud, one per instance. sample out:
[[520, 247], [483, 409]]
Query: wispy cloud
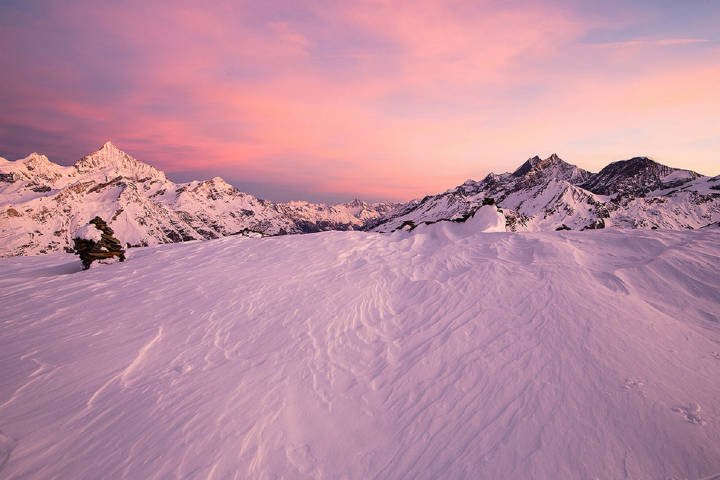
[[662, 42], [387, 99]]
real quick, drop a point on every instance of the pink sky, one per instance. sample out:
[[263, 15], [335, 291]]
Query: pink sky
[[381, 100]]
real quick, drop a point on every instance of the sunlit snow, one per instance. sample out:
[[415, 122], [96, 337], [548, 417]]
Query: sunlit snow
[[446, 352], [88, 232]]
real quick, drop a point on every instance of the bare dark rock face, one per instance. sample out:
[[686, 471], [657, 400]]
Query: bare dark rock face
[[596, 225], [636, 176], [106, 247]]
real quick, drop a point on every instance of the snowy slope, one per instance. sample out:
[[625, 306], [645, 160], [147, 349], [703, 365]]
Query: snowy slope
[[551, 193], [42, 204], [444, 352]]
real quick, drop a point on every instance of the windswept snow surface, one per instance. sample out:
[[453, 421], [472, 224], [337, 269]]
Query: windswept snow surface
[[438, 353]]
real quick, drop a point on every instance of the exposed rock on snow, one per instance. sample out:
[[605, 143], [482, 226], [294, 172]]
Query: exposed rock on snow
[[95, 241], [535, 171], [596, 225], [485, 218]]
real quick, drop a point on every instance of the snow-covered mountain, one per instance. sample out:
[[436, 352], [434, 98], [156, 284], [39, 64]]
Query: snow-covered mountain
[[552, 194], [42, 204]]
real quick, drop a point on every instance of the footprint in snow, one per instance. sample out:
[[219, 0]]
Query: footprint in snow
[[301, 457], [182, 369], [691, 412], [634, 384], [716, 355]]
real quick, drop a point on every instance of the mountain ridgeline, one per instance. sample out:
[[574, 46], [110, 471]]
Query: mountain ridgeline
[[551, 194], [42, 203]]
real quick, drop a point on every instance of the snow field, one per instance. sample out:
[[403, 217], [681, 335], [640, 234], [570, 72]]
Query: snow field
[[446, 352]]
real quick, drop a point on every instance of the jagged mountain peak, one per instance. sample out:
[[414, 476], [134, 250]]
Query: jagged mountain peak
[[215, 182], [117, 162], [109, 146], [536, 163], [36, 161], [553, 166], [526, 167], [355, 203], [36, 168], [214, 188], [636, 175], [633, 165], [35, 157]]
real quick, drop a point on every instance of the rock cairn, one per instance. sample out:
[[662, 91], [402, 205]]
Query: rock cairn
[[95, 241]]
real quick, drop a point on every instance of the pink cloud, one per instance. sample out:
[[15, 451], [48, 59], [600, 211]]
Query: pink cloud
[[663, 42], [384, 99]]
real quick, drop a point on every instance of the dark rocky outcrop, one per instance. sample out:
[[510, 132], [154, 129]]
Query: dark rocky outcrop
[[536, 170], [636, 176], [107, 247], [596, 225]]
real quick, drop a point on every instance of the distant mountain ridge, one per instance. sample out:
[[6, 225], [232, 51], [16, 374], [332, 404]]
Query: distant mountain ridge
[[551, 194], [42, 203]]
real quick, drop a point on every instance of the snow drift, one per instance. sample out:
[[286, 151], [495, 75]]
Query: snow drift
[[437, 353]]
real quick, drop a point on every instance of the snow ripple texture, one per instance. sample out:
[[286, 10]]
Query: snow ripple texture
[[441, 353]]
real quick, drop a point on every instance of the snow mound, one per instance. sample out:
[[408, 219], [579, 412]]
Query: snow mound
[[547, 355], [486, 219], [89, 232]]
